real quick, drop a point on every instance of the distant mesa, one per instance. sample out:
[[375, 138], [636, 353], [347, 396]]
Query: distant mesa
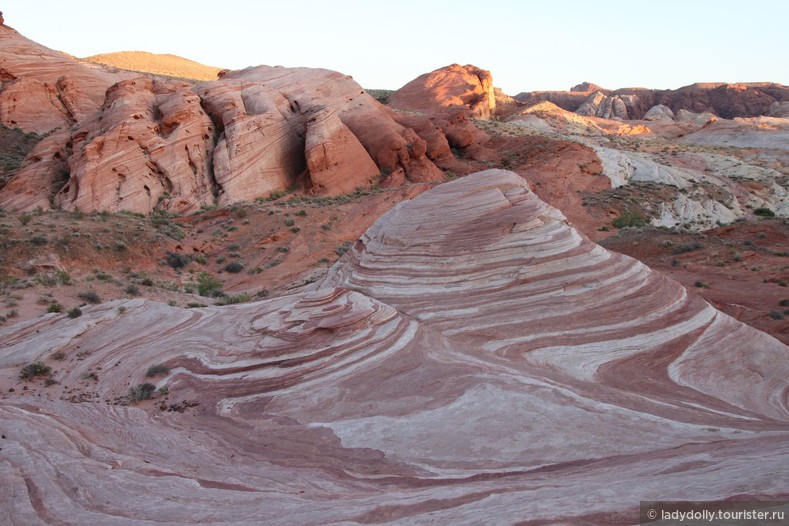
[[451, 87], [157, 64]]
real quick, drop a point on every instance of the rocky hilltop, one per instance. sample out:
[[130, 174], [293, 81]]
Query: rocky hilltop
[[723, 100], [42, 90], [452, 87], [470, 355]]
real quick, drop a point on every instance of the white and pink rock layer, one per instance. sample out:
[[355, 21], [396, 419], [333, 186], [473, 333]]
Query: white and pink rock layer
[[473, 359]]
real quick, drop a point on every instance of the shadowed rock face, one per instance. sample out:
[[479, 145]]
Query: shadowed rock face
[[473, 359]]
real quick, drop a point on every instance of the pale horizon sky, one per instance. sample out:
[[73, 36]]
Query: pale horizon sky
[[527, 46]]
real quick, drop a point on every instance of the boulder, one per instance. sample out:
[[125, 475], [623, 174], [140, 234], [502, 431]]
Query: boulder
[[659, 112], [601, 105]]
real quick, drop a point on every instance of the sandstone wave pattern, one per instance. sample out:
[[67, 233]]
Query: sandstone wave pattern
[[472, 359]]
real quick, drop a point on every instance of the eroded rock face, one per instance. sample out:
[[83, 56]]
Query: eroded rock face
[[659, 112], [266, 115], [42, 89], [152, 145], [168, 145], [600, 105], [451, 87], [473, 308]]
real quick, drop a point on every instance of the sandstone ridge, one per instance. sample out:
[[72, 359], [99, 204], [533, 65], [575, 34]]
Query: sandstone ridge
[[165, 144]]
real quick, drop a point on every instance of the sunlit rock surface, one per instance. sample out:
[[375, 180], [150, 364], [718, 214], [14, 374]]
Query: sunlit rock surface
[[472, 359]]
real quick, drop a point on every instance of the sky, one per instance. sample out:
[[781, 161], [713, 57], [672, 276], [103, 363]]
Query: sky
[[527, 45]]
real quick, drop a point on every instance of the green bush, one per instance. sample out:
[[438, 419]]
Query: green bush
[[76, 312], [630, 219], [132, 290], [764, 212], [231, 300], [208, 285], [776, 315], [702, 284], [55, 307], [34, 369]]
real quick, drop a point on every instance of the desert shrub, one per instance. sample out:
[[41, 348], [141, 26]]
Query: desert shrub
[[24, 218], [141, 392], [89, 296], [208, 285], [34, 369], [231, 300], [784, 303], [630, 219], [195, 305], [764, 212], [283, 249], [63, 277], [234, 267], [76, 312], [289, 222], [132, 290], [687, 247], [157, 370], [342, 249], [39, 240], [176, 260], [702, 284], [55, 307], [776, 315]]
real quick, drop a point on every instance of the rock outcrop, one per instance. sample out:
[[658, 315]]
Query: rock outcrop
[[471, 359], [659, 112], [42, 89], [723, 100], [160, 144], [452, 87], [600, 105]]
